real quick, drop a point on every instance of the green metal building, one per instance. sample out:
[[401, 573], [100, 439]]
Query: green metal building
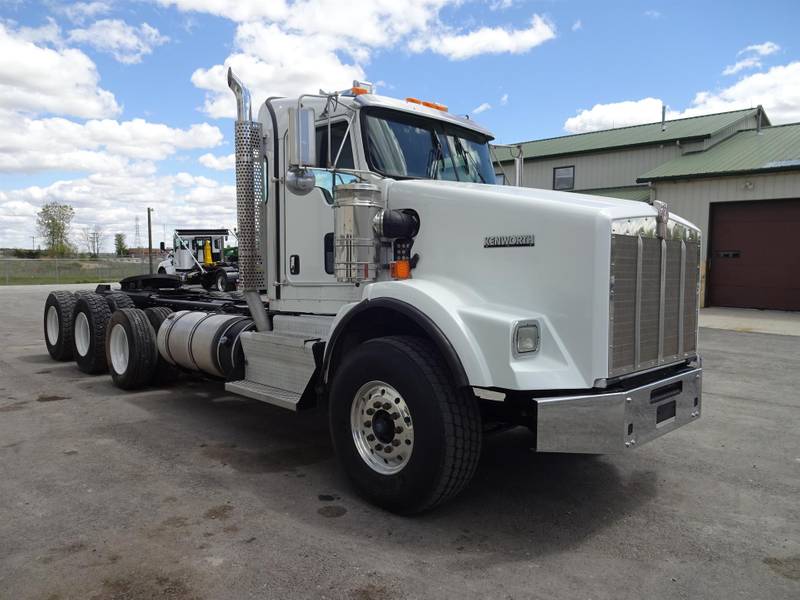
[[734, 174]]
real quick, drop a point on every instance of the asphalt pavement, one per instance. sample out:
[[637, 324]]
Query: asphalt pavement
[[188, 492]]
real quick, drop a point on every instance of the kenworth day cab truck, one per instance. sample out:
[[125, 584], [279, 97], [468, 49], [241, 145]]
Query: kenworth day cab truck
[[415, 301]]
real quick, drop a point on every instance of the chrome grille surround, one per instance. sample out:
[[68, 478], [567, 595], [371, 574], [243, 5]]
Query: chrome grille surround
[[653, 295]]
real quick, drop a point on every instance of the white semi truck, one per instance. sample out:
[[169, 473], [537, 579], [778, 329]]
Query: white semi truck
[[416, 301]]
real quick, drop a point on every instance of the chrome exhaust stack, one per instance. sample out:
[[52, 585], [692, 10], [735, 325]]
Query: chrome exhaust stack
[[249, 198]]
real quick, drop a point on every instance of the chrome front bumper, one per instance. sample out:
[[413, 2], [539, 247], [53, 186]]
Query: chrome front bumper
[[607, 423]]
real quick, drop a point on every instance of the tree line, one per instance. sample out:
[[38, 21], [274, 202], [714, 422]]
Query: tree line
[[54, 225]]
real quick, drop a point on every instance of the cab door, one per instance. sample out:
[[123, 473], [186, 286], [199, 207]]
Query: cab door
[[308, 245]]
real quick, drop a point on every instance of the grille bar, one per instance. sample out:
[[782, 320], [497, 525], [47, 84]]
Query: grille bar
[[653, 301]]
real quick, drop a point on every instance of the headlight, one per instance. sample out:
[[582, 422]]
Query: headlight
[[526, 338]]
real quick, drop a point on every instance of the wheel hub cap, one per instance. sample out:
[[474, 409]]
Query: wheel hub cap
[[82, 334], [382, 428], [52, 325], [118, 348]]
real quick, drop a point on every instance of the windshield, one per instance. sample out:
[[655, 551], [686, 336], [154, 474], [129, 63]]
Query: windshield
[[401, 145]]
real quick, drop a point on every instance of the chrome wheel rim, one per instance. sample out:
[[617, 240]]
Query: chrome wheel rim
[[52, 325], [382, 428], [118, 348], [82, 334]]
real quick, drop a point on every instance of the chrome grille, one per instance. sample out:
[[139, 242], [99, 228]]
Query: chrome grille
[[654, 295]]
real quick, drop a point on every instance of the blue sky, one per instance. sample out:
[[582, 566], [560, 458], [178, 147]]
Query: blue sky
[[156, 103]]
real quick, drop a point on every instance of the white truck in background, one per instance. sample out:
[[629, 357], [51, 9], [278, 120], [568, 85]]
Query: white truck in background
[[198, 256], [416, 301]]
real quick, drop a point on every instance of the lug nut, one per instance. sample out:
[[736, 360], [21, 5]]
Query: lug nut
[[376, 404], [395, 415], [367, 423], [370, 411], [395, 442], [388, 449], [378, 447], [370, 438], [386, 406], [398, 430], [408, 442]]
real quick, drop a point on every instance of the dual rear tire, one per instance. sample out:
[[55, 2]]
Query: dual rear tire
[[130, 348]]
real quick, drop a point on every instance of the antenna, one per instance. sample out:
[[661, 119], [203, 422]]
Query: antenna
[[663, 117]]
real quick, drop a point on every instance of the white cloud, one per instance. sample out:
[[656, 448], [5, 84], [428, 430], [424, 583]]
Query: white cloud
[[218, 163], [114, 199], [577, 25], [482, 107], [60, 81], [615, 114], [124, 42], [777, 90], [653, 14], [31, 145], [78, 12], [751, 62], [764, 49], [487, 40], [49, 33], [273, 62], [238, 10], [503, 99]]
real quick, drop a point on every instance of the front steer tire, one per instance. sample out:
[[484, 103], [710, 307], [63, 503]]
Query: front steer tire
[[446, 424], [58, 325], [131, 349], [90, 320]]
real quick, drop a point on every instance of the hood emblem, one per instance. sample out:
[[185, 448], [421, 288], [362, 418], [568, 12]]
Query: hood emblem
[[509, 241]]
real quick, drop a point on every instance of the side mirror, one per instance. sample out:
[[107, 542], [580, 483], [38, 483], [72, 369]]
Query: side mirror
[[162, 246], [300, 181], [302, 138]]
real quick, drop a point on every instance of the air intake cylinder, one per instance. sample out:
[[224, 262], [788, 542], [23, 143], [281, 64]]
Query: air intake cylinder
[[356, 243]]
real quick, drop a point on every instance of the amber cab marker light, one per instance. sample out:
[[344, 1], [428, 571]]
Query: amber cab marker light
[[414, 100], [400, 269], [357, 91], [435, 106]]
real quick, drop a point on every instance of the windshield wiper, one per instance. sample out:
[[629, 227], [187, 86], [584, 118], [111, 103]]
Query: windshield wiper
[[468, 158], [432, 168]]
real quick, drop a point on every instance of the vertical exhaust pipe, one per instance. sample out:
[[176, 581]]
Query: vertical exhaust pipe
[[249, 196]]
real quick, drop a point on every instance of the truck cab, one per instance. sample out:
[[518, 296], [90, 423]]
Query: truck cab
[[574, 315]]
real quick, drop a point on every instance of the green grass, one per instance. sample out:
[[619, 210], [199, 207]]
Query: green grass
[[48, 271]]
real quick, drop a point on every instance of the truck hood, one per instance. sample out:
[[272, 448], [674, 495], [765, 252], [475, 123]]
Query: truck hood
[[492, 255]]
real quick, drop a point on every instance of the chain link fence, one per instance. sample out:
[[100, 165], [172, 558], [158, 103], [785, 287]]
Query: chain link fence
[[21, 271]]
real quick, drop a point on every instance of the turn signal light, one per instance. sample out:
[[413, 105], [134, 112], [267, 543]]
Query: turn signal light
[[400, 269]]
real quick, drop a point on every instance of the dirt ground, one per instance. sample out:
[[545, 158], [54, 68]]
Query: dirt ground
[[188, 492]]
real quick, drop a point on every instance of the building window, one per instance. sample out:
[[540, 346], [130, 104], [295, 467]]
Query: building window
[[563, 178], [500, 178]]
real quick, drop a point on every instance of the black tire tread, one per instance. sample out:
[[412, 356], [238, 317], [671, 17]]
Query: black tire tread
[[143, 355], [99, 314], [461, 416], [119, 300], [66, 305], [156, 315]]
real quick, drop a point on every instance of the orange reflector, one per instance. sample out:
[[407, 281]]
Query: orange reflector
[[434, 105], [357, 91], [400, 269], [414, 100]]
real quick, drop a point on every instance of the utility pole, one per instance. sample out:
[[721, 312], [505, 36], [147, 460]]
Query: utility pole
[[150, 239]]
